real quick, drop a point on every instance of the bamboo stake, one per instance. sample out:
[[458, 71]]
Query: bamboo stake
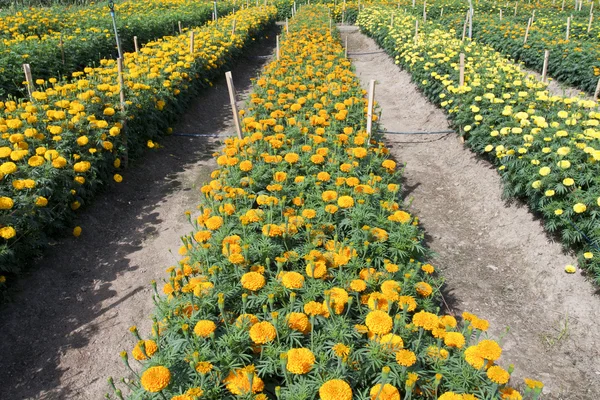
[[180, 27], [234, 109], [135, 44], [597, 92], [461, 79], [346, 47], [500, 14], [424, 11], [29, 79], [590, 23], [465, 27], [563, 6], [121, 83], [414, 3], [277, 46], [568, 27], [516, 4], [287, 29], [416, 31], [545, 67], [442, 12], [527, 31], [191, 42], [370, 108]]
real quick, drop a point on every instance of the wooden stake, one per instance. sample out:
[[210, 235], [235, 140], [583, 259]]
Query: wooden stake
[[590, 23], [135, 44], [234, 109], [516, 4], [414, 3], [121, 83], [346, 47], [597, 92], [62, 48], [233, 27], [416, 31], [461, 70], [287, 29], [442, 12], [500, 14], [424, 11], [563, 6], [191, 42], [545, 67], [180, 27], [591, 8], [370, 108], [29, 79], [568, 27], [465, 27], [527, 31], [277, 46]]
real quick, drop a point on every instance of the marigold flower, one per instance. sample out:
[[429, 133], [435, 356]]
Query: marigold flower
[[508, 393], [392, 342], [345, 202], [388, 392], [579, 208], [358, 285], [243, 319], [498, 375], [405, 357], [335, 389], [489, 349], [253, 281], [423, 289], [400, 216], [428, 269], [204, 328], [329, 195], [204, 367], [237, 381], [473, 357], [300, 361], [150, 348], [379, 322], [454, 339], [155, 379], [292, 280], [426, 320], [341, 350], [450, 396], [299, 322], [263, 332], [407, 302], [313, 308], [6, 203], [533, 384], [245, 165]]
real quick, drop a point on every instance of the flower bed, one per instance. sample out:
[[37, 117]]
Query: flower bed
[[56, 151], [34, 35], [302, 276], [546, 147]]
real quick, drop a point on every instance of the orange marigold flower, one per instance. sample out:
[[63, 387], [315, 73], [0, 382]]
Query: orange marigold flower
[[400, 216], [246, 165], [358, 285], [423, 289], [509, 393], [450, 396], [329, 195], [298, 322], [238, 382], [253, 281], [338, 299], [204, 328], [388, 392], [150, 348], [406, 358], [155, 379], [184, 396], [246, 320], [313, 308], [335, 389], [204, 367], [392, 342], [341, 350], [263, 332], [407, 302], [300, 361], [214, 223], [345, 202], [379, 322], [473, 358], [498, 375], [426, 320], [533, 384], [480, 324], [428, 269], [292, 280], [489, 349], [202, 236], [454, 339], [390, 165]]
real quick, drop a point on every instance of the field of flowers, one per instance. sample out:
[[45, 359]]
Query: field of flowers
[[35, 35], [56, 151], [546, 147], [303, 277], [574, 61]]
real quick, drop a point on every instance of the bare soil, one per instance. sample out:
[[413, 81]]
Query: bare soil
[[496, 259], [60, 337]]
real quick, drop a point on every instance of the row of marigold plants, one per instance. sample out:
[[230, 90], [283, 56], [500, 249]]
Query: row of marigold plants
[[545, 147], [59, 149], [303, 277], [61, 40]]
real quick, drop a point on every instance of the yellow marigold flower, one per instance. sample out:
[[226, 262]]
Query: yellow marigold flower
[[489, 349], [204, 328], [253, 281], [358, 285], [341, 350], [338, 299], [316, 269], [545, 171], [8, 168], [508, 393], [423, 289], [182, 397], [448, 321], [329, 195], [246, 165], [400, 216], [204, 367], [450, 396], [335, 389], [498, 375], [579, 208], [313, 308], [323, 176], [407, 302], [392, 342], [118, 178], [388, 392], [309, 213], [480, 324], [195, 391], [405, 357], [345, 202], [379, 322], [292, 280], [454, 339], [568, 182], [426, 320], [214, 223], [7, 232], [77, 231], [291, 158], [6, 203], [300, 361], [238, 383], [202, 236], [150, 348], [263, 332], [428, 269], [155, 379], [533, 384], [109, 111], [299, 322], [35, 161], [411, 379]]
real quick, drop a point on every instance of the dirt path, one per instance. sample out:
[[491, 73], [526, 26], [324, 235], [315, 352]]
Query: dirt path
[[495, 257], [61, 337]]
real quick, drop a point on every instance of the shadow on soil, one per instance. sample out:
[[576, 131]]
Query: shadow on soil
[[55, 305]]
